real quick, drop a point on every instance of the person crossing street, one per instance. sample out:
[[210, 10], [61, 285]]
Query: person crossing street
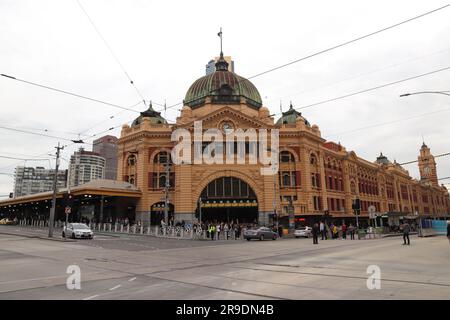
[[406, 230]]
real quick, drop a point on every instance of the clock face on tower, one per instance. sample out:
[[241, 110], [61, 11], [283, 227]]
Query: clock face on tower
[[427, 170], [227, 127]]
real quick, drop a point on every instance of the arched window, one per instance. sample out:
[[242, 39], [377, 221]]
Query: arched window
[[162, 157], [158, 175], [286, 157], [131, 160], [286, 179], [313, 159], [352, 187]]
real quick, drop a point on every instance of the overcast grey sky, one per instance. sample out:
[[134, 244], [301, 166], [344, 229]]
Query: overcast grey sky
[[164, 46]]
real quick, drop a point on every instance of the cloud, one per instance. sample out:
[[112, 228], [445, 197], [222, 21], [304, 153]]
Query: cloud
[[164, 46]]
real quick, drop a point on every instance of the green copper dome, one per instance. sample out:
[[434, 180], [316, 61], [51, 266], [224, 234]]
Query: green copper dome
[[290, 117], [222, 86], [154, 116]]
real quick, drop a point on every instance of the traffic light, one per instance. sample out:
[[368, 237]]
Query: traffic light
[[68, 199], [356, 206]]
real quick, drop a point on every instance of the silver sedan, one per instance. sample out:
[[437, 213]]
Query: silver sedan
[[77, 230], [260, 233]]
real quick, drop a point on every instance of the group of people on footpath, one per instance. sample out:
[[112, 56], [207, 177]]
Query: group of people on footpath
[[217, 230], [333, 230]]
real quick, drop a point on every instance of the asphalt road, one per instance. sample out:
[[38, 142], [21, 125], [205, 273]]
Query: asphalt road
[[32, 268]]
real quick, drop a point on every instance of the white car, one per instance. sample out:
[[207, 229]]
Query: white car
[[303, 232], [77, 230]]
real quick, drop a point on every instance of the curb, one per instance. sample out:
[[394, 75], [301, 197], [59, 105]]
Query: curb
[[398, 235], [37, 237]]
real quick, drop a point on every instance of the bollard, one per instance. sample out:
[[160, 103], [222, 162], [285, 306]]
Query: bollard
[[182, 233], [115, 227], [134, 229], [142, 229], [148, 230], [121, 228], [104, 227]]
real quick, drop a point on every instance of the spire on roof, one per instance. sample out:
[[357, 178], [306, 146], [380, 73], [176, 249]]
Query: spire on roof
[[221, 64]]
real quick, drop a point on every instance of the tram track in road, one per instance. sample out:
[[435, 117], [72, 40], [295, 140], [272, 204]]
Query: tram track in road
[[346, 276]]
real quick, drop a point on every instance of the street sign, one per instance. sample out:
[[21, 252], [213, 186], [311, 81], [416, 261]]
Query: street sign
[[68, 210]]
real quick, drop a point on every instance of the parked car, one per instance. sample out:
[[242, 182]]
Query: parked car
[[303, 232], [77, 230], [260, 233], [6, 221]]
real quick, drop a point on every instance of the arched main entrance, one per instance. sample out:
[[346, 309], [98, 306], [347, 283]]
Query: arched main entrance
[[228, 199], [157, 213]]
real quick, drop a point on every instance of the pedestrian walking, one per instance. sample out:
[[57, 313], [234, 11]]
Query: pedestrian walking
[[213, 231], [280, 231], [225, 229], [351, 230], [218, 231], [334, 231], [315, 233], [406, 229], [344, 231], [322, 230], [448, 230]]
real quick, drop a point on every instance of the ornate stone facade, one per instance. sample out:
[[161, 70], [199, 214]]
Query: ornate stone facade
[[314, 176]]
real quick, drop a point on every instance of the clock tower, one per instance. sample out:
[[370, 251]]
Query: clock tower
[[427, 166]]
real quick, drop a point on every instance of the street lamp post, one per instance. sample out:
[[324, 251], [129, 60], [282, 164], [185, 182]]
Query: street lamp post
[[166, 192]]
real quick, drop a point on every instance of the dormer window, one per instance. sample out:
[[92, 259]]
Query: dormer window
[[225, 90]]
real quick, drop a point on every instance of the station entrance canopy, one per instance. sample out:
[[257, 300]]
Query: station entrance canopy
[[98, 199]]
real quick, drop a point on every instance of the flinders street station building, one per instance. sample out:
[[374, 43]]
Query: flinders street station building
[[314, 177]]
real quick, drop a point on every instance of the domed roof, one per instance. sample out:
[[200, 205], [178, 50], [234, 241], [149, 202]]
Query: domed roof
[[382, 159], [290, 117], [154, 116], [222, 86]]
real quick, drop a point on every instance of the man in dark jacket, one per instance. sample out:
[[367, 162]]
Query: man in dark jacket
[[406, 229], [448, 230], [280, 231], [315, 233]]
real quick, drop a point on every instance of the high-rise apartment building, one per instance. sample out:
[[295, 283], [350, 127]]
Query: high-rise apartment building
[[106, 147], [85, 166], [30, 180]]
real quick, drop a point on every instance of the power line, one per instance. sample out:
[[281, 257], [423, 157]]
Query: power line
[[350, 41], [109, 118], [35, 133], [366, 90], [111, 52], [389, 122], [68, 93], [336, 46], [114, 55], [365, 74], [438, 156], [374, 88], [23, 159]]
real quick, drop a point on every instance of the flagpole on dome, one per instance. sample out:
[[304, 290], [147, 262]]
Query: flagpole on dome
[[220, 35]]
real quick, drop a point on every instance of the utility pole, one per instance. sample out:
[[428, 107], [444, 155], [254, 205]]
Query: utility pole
[[200, 210], [68, 197], [166, 191], [55, 186], [275, 197]]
